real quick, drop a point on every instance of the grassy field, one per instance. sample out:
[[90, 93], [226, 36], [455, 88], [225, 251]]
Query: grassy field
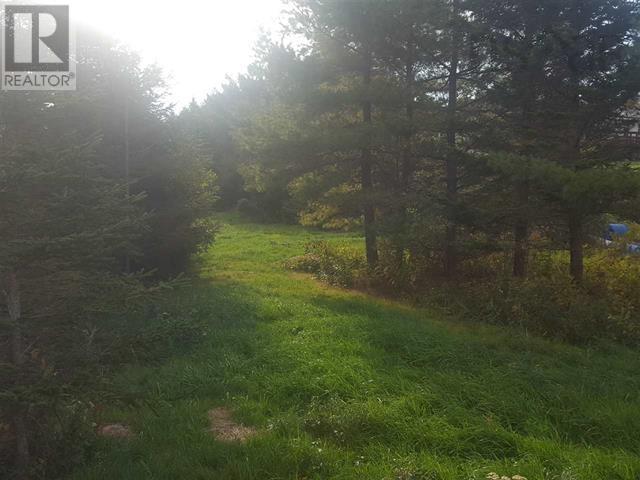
[[345, 386]]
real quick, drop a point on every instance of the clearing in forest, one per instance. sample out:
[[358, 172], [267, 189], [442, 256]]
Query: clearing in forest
[[342, 385]]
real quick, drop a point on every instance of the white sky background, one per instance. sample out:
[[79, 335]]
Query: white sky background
[[198, 43]]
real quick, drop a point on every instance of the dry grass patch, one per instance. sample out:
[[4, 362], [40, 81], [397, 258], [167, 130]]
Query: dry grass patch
[[225, 429]]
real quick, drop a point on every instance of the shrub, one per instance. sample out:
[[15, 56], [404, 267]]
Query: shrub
[[616, 278], [338, 265], [182, 193], [395, 272], [547, 306], [547, 303], [307, 263], [550, 303]]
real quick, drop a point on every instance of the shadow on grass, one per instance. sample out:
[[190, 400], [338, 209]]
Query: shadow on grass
[[328, 379], [166, 401]]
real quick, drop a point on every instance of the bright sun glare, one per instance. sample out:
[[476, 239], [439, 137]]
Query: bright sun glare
[[198, 43]]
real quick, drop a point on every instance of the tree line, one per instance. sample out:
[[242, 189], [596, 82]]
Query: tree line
[[452, 127], [104, 198]]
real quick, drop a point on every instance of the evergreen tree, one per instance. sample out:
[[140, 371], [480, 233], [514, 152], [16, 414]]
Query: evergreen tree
[[571, 67], [63, 224]]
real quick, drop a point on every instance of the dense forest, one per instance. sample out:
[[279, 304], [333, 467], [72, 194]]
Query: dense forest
[[478, 149]]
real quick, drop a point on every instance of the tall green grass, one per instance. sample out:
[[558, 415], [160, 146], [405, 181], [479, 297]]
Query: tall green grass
[[346, 386]]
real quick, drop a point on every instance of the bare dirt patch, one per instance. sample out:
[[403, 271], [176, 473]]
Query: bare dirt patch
[[225, 429], [116, 430]]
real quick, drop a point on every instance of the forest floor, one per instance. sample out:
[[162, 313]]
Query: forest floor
[[311, 382]]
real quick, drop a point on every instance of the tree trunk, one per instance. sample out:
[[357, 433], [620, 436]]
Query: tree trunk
[[521, 233], [575, 220], [12, 295], [370, 235], [450, 251], [407, 151], [527, 93], [576, 247]]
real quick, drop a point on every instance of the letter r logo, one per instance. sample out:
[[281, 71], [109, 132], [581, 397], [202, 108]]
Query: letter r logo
[[36, 38]]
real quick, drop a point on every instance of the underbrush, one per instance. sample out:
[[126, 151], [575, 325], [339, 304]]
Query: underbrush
[[548, 302], [339, 265], [68, 381]]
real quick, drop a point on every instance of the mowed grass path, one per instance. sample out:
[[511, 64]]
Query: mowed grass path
[[345, 386]]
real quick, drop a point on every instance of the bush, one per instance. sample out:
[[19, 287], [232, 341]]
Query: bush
[[616, 278], [550, 303], [307, 263], [182, 202], [338, 265], [547, 303], [549, 307]]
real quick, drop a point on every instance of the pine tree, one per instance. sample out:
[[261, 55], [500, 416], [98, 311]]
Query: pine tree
[[348, 35]]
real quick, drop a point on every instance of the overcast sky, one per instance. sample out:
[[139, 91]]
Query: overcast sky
[[196, 42]]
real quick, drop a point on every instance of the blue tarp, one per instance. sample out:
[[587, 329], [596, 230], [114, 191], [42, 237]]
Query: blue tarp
[[618, 229]]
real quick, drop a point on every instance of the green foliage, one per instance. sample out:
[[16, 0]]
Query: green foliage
[[182, 193], [550, 306], [458, 123], [91, 189], [339, 265], [65, 439], [397, 271], [615, 279], [68, 380], [461, 136], [550, 303]]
